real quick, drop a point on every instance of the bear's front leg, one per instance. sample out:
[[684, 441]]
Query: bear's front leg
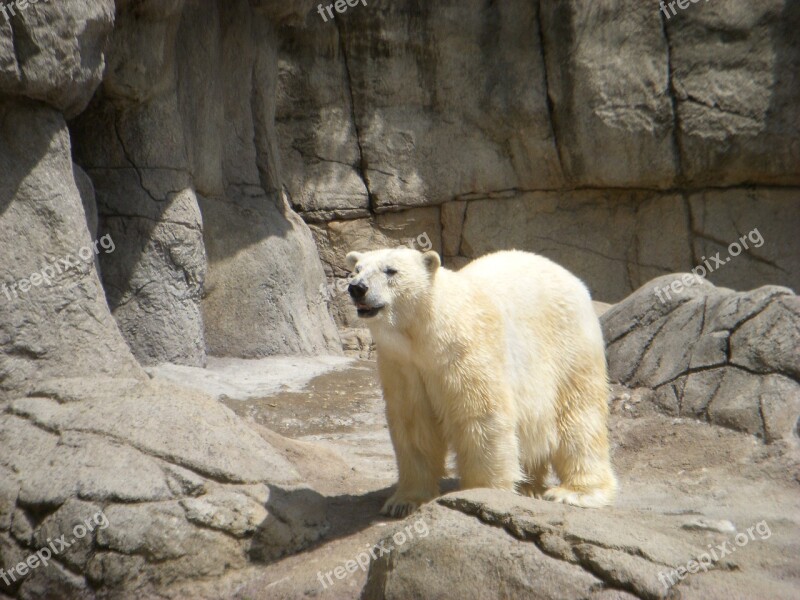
[[419, 445]]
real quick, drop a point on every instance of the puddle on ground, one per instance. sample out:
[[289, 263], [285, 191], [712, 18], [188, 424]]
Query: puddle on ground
[[337, 402]]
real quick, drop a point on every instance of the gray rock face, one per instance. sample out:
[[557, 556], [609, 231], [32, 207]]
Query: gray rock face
[[53, 51], [765, 217], [610, 255], [264, 272], [267, 300], [146, 150], [189, 273], [54, 320], [384, 108], [711, 353], [620, 97], [736, 98], [168, 484]]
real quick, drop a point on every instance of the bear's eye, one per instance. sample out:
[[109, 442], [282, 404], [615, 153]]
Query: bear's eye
[[358, 269], [390, 271]]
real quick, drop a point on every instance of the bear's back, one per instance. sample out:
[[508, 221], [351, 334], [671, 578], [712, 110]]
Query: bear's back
[[535, 277], [539, 300]]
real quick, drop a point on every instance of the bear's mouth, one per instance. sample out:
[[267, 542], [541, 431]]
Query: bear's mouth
[[364, 310]]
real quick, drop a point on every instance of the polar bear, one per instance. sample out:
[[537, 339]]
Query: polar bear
[[502, 362]]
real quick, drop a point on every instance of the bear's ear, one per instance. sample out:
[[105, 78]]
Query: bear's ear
[[431, 261], [352, 258]]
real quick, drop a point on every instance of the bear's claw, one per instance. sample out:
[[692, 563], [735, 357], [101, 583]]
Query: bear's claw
[[399, 508]]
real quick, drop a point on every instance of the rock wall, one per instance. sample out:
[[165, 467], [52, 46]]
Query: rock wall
[[168, 237], [619, 141], [171, 118], [622, 142], [54, 320], [181, 145]]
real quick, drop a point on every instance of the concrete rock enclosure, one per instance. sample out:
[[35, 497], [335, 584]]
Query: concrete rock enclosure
[[168, 237], [184, 128]]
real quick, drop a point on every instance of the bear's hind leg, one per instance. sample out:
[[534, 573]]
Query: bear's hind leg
[[581, 459], [487, 452], [586, 482]]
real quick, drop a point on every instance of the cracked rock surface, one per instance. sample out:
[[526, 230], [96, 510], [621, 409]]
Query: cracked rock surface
[[180, 143], [204, 503], [727, 357], [186, 489], [488, 544]]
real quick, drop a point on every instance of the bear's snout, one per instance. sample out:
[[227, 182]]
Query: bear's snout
[[357, 290]]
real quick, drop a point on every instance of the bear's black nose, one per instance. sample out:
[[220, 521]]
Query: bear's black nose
[[357, 290]]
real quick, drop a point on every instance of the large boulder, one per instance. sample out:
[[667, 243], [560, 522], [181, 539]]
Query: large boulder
[[711, 353], [490, 544], [169, 484], [53, 52]]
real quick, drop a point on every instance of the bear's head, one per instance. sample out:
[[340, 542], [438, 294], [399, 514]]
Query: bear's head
[[391, 284]]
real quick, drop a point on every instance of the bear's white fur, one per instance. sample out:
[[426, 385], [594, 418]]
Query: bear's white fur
[[502, 361]]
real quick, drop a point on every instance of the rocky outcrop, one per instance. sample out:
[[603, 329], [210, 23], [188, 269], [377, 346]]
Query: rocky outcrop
[[54, 53], [188, 491], [537, 549], [186, 193], [711, 353], [54, 320], [130, 143], [490, 544], [149, 484]]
